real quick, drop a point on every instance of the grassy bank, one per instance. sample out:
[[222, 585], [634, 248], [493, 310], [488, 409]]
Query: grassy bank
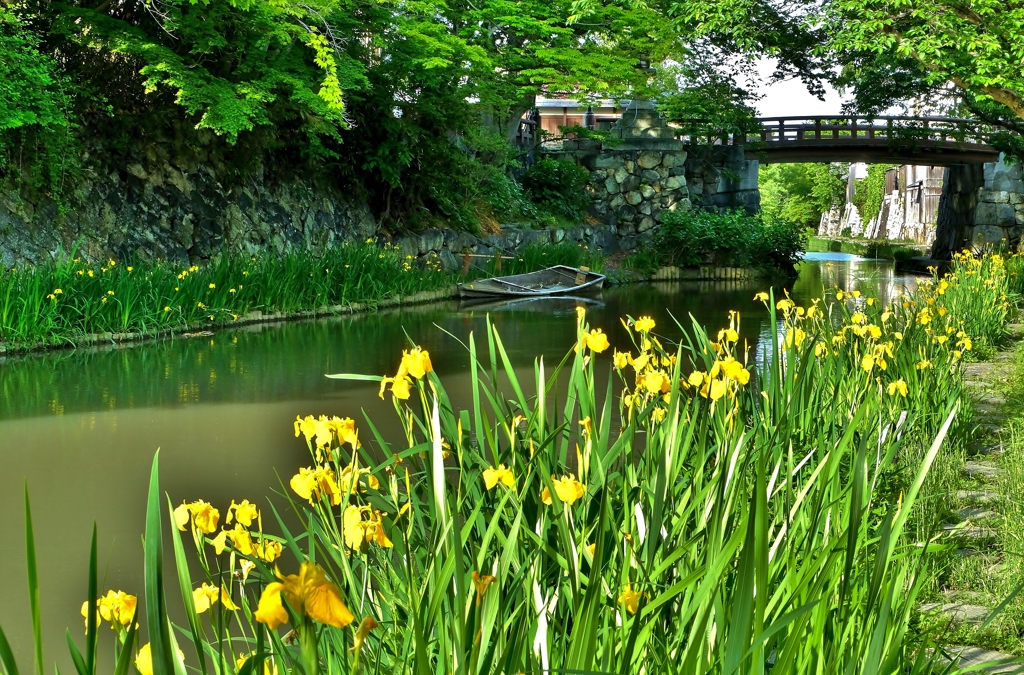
[[675, 509], [58, 303], [882, 249]]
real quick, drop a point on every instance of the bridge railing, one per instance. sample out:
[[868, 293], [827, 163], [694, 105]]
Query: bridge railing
[[825, 129]]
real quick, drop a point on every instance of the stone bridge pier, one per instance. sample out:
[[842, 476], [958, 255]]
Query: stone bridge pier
[[645, 172], [981, 207]]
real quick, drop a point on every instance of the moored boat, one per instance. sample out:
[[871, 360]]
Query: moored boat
[[557, 280]]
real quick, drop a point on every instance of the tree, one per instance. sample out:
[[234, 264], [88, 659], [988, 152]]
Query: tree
[[34, 107], [801, 193], [977, 45]]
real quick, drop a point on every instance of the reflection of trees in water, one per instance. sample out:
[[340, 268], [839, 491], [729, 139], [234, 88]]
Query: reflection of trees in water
[[287, 361], [873, 278]]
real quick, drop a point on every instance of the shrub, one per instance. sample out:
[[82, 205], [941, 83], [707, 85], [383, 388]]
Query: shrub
[[728, 238], [559, 187]]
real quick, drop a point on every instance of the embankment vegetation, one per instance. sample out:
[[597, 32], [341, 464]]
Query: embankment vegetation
[[683, 507], [725, 238], [59, 302]]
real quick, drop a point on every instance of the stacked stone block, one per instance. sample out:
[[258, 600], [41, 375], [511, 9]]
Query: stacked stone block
[[633, 189], [999, 214]]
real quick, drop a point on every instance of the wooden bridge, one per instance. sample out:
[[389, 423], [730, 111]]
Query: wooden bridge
[[930, 141]]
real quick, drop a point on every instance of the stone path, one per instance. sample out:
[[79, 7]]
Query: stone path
[[975, 528]]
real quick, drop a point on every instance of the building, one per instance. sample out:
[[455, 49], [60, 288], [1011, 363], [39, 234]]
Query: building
[[565, 112], [909, 209]]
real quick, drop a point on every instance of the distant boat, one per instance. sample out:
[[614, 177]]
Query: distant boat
[[557, 280]]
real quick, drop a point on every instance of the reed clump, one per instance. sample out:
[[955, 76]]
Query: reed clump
[[56, 303], [676, 508]]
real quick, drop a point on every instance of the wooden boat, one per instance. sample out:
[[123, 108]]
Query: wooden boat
[[557, 280]]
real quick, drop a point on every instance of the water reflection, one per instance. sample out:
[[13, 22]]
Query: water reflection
[[81, 427]]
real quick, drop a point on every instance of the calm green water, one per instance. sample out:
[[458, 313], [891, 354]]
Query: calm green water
[[80, 427]]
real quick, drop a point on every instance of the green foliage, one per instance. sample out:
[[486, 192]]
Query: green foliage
[[976, 47], [732, 238], [800, 193], [56, 303], [870, 191], [35, 127], [559, 187], [534, 257], [705, 101]]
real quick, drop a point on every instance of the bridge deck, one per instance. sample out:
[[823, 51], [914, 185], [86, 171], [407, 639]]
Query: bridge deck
[[933, 141]]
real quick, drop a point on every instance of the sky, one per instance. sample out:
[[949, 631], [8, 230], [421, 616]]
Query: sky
[[790, 98]]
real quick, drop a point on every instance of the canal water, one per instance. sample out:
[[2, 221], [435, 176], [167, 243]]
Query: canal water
[[80, 428]]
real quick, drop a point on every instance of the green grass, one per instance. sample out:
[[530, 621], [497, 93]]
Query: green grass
[[57, 303]]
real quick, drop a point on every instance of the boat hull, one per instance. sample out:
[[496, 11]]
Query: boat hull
[[553, 281]]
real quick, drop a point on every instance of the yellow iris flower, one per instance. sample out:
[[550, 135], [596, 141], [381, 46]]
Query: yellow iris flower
[[596, 340], [308, 593], [415, 363], [116, 607], [350, 478], [656, 382], [245, 513], [144, 659], [734, 370], [620, 360], [567, 488], [482, 583], [357, 530], [898, 386], [494, 476], [630, 599], [314, 484], [267, 550], [204, 517], [795, 336], [644, 324], [207, 595], [718, 389], [268, 669]]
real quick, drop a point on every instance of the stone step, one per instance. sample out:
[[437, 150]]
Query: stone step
[[991, 401], [979, 448], [979, 497], [982, 469], [968, 531], [972, 370], [986, 659], [968, 597], [977, 515], [957, 612], [986, 428], [1003, 357]]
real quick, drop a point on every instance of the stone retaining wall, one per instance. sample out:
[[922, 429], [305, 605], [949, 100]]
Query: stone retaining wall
[[982, 206], [999, 213], [449, 246], [633, 189], [151, 207]]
